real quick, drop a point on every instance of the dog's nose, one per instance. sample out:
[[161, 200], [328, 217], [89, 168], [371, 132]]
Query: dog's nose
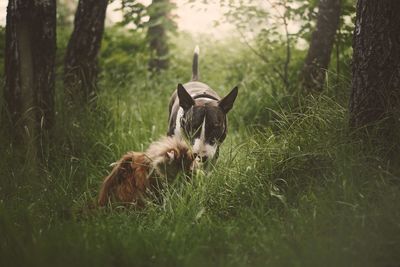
[[200, 158]]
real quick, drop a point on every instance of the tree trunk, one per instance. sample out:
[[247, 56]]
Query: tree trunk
[[80, 66], [376, 63], [29, 66], [321, 45], [157, 34]]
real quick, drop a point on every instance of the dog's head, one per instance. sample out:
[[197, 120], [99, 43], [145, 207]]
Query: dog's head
[[171, 155], [203, 121]]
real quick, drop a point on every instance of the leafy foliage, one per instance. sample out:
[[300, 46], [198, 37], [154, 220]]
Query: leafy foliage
[[136, 15]]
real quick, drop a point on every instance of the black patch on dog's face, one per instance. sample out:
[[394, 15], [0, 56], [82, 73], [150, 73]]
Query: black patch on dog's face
[[215, 131], [215, 123], [191, 122]]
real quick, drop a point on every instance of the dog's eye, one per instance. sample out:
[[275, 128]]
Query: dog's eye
[[213, 141]]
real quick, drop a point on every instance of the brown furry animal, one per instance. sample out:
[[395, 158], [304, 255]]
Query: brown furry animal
[[137, 174]]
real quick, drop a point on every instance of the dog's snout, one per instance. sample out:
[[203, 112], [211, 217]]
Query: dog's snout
[[200, 158]]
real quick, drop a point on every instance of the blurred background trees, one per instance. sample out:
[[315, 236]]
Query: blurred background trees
[[321, 45], [291, 28], [29, 89], [297, 44], [160, 22], [81, 62]]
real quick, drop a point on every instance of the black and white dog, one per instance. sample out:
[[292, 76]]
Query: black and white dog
[[198, 113]]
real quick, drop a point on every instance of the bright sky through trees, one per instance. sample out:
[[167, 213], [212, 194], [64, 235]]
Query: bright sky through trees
[[191, 17], [194, 17]]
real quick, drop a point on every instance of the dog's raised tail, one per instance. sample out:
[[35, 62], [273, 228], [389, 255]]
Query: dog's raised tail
[[195, 66]]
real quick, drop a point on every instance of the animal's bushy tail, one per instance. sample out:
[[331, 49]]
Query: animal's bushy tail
[[115, 178], [195, 65]]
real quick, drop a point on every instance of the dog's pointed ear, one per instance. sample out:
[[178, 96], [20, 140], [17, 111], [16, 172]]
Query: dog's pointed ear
[[185, 100], [226, 103]]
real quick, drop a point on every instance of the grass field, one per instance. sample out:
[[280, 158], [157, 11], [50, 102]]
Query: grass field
[[292, 187]]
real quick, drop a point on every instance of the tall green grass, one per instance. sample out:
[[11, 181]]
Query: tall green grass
[[292, 187]]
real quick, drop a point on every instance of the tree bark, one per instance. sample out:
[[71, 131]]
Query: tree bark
[[29, 66], [157, 34], [321, 45], [81, 66], [376, 63]]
